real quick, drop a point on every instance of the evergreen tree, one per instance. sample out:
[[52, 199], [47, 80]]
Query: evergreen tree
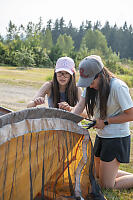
[[79, 37], [94, 40], [65, 43], [47, 40], [55, 53], [55, 31], [88, 25], [66, 40], [11, 31], [49, 26], [62, 25], [60, 42]]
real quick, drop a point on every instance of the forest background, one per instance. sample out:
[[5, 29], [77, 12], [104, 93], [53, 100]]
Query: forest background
[[39, 47]]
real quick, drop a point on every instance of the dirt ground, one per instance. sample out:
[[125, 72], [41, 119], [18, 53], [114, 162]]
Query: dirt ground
[[16, 97]]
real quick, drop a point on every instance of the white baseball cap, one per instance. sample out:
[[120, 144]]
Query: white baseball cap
[[65, 64]]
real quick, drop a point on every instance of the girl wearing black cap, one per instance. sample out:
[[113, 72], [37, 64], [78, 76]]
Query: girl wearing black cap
[[107, 100]]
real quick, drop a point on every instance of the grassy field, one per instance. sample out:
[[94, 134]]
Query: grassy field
[[26, 77], [21, 84]]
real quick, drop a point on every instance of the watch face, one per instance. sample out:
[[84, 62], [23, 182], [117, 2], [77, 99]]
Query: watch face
[[106, 122]]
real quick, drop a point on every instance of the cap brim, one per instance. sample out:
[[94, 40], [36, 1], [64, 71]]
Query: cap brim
[[62, 69], [85, 82]]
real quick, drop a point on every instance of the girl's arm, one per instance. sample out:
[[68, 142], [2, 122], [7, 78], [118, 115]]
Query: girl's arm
[[79, 93], [126, 116], [84, 113], [39, 98], [79, 108]]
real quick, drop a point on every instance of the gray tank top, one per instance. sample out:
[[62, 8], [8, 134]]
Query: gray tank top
[[50, 99]]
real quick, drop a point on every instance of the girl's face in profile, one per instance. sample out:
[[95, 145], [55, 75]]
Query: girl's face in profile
[[95, 83], [63, 77]]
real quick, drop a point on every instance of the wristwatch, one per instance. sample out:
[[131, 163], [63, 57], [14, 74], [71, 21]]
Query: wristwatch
[[106, 122]]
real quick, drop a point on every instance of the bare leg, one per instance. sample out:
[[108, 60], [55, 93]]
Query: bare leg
[[122, 173], [124, 182], [108, 172], [119, 173], [108, 176]]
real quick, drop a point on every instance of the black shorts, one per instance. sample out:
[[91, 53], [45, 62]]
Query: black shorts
[[110, 148]]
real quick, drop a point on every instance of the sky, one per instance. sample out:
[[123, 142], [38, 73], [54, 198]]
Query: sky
[[78, 11]]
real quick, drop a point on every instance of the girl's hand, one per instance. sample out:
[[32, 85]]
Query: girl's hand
[[99, 124], [65, 106], [39, 101]]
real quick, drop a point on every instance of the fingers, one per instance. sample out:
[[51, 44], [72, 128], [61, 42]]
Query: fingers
[[64, 106], [39, 101], [99, 124]]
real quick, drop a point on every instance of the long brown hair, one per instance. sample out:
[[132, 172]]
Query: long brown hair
[[71, 91], [92, 95]]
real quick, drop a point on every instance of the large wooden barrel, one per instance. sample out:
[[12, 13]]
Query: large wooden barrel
[[44, 154]]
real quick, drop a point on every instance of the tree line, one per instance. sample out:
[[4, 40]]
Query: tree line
[[38, 46]]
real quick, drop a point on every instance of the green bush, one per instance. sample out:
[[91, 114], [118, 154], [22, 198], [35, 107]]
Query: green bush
[[127, 79], [25, 58], [49, 78]]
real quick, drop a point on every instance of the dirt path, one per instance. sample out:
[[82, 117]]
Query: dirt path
[[16, 97]]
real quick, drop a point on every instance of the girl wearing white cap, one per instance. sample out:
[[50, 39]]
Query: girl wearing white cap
[[107, 100], [61, 89]]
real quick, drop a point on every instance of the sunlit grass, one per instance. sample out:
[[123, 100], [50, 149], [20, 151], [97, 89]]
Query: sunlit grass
[[14, 75], [28, 76], [22, 101]]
